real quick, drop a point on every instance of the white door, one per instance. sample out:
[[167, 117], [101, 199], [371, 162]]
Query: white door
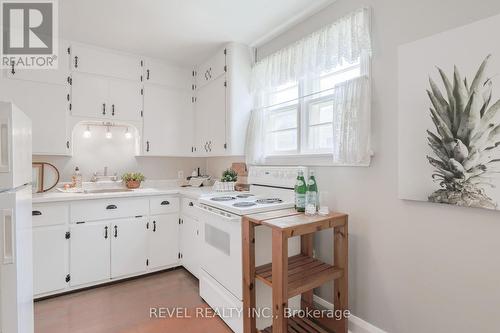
[[90, 247], [163, 240], [168, 121], [50, 259], [89, 96], [157, 72], [211, 117], [126, 99], [47, 107], [190, 244], [89, 59], [55, 76], [129, 247]]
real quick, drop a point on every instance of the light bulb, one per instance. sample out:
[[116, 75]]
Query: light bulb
[[128, 135], [109, 135], [87, 134]]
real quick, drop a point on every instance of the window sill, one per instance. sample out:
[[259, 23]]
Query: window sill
[[308, 160]]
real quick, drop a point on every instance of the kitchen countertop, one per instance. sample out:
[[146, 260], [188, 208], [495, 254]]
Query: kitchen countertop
[[55, 196]]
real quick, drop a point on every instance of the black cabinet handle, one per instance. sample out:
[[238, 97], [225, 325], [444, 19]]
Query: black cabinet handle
[[36, 213], [190, 204], [116, 231], [154, 226], [104, 108], [76, 61], [112, 109], [164, 203], [111, 207], [13, 71], [106, 232], [147, 74], [147, 146], [67, 144]]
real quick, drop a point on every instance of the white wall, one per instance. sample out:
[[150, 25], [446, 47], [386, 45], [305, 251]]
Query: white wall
[[414, 266], [118, 154]]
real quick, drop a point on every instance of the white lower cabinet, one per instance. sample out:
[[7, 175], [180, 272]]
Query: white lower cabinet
[[129, 245], [190, 240], [163, 240], [50, 259], [90, 250]]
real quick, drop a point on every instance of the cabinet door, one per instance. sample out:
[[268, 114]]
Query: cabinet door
[[88, 59], [211, 117], [47, 106], [168, 121], [157, 72], [126, 100], [50, 259], [129, 245], [163, 240], [190, 244], [55, 76], [89, 96], [90, 253], [211, 69]]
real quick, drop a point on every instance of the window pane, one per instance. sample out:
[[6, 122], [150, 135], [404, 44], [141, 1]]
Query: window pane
[[283, 141], [284, 93], [282, 119], [320, 113], [320, 137]]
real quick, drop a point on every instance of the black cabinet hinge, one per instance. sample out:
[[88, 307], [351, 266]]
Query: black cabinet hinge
[[192, 149], [225, 68], [179, 256], [141, 78], [179, 220], [225, 83], [70, 80], [225, 146], [193, 99], [194, 73], [67, 144], [67, 235], [225, 51], [142, 113], [142, 63], [68, 278], [142, 91], [147, 262], [70, 106], [67, 97], [69, 50]]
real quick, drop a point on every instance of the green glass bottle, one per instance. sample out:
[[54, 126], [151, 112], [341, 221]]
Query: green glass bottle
[[312, 191], [300, 193]]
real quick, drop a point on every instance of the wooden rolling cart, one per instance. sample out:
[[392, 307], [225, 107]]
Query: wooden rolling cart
[[297, 275]]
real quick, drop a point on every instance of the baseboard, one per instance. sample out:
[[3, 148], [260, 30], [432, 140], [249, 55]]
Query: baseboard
[[356, 324]]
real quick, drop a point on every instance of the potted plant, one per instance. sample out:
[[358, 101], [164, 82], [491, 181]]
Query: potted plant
[[227, 182], [133, 179]]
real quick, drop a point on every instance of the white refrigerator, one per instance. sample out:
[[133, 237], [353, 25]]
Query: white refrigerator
[[16, 264]]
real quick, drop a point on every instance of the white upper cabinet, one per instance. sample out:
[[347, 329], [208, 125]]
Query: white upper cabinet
[[95, 96], [93, 60], [48, 107], [160, 73], [57, 76], [126, 99], [212, 69], [223, 100]]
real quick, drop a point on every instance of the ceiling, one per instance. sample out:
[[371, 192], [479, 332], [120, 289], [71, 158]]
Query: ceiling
[[184, 32]]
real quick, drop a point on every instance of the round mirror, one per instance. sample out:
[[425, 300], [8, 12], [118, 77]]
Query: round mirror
[[45, 177]]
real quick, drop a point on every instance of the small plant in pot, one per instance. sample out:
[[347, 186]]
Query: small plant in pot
[[133, 179], [229, 176]]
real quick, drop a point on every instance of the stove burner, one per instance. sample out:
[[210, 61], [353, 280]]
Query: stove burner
[[244, 196], [222, 198], [269, 201], [244, 204]]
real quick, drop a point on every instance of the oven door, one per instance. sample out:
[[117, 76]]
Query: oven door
[[221, 248]]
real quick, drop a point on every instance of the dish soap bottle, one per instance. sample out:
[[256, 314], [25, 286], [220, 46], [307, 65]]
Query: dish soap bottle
[[312, 195], [300, 192], [76, 179]]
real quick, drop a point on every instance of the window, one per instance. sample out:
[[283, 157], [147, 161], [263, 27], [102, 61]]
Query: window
[[304, 125]]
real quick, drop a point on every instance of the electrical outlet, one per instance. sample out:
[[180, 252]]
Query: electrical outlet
[[180, 174]]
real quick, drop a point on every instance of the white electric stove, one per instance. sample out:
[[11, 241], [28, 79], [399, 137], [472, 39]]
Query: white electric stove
[[221, 276]]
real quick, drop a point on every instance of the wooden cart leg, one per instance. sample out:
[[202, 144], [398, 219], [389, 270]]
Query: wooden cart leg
[[340, 259], [306, 246], [248, 231], [280, 281]]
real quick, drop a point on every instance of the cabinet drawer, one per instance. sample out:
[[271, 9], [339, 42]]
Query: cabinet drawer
[[111, 208], [188, 207], [163, 205], [49, 214]]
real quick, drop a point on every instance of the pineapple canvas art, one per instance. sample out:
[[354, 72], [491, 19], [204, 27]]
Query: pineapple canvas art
[[449, 117]]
